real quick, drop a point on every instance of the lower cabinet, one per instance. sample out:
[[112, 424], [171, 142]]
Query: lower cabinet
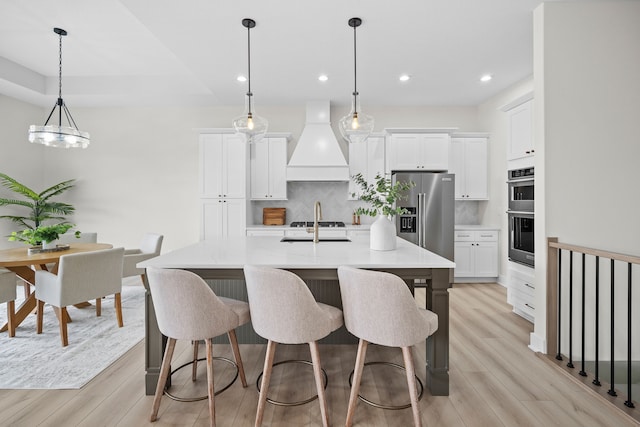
[[521, 291], [476, 253], [223, 217]]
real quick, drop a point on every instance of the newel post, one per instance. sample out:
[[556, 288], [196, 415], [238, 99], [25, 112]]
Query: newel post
[[552, 297]]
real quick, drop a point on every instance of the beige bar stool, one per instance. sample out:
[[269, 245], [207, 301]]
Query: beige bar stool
[[8, 282], [283, 310], [187, 308], [379, 308]]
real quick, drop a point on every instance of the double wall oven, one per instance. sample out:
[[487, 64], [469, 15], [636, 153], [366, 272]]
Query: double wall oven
[[521, 219]]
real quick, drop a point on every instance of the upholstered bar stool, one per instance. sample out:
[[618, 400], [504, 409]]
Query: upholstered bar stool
[[187, 308], [283, 310], [8, 283], [379, 308]]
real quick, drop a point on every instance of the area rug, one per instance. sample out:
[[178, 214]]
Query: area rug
[[32, 361]]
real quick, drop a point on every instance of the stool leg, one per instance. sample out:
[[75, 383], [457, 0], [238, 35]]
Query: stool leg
[[266, 378], [11, 318], [162, 380], [236, 355], [317, 373], [411, 382], [357, 376], [210, 389], [39, 314], [196, 345], [98, 307]]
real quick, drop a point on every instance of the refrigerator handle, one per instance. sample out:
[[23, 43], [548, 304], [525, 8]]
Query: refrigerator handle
[[420, 218]]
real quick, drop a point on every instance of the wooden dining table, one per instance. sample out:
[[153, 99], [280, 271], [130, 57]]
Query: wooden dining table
[[25, 265]]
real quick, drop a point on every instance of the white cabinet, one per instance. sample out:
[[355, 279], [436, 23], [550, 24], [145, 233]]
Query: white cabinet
[[268, 160], [223, 218], [367, 159], [223, 165], [468, 161], [476, 253], [521, 142], [418, 151], [223, 183], [521, 291]]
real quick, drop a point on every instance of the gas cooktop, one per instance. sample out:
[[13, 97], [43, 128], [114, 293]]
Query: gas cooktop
[[320, 224]]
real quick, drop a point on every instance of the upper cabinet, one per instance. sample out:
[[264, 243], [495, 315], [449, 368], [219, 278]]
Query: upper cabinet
[[268, 160], [366, 158], [468, 161], [419, 151], [223, 165], [520, 115]]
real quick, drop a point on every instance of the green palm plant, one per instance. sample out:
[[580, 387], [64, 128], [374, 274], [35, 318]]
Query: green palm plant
[[41, 207]]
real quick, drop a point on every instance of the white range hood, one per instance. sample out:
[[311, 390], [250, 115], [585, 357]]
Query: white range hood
[[318, 156]]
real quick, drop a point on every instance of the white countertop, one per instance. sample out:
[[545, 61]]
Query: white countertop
[[235, 252]]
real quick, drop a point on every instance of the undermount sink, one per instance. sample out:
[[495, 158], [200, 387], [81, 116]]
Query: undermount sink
[[310, 239]]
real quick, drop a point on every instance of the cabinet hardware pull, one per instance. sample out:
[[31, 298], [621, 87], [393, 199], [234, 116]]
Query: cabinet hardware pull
[[532, 308], [529, 286]]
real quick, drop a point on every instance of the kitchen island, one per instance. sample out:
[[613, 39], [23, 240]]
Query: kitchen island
[[223, 260]]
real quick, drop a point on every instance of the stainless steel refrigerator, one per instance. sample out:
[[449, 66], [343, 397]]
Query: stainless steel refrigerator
[[430, 221]]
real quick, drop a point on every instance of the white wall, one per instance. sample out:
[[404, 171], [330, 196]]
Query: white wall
[[140, 172], [586, 68]]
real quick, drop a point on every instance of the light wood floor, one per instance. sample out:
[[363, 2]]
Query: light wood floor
[[495, 381]]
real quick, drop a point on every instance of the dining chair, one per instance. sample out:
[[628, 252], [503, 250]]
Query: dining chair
[[187, 308], [283, 310], [379, 308], [150, 246], [8, 282], [81, 277]]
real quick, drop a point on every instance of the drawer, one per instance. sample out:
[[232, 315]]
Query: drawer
[[464, 236], [523, 286], [487, 236]]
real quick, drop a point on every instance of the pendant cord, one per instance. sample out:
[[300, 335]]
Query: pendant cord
[[249, 94], [60, 67], [355, 65]]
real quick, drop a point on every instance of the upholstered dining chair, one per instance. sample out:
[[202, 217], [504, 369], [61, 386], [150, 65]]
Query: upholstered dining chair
[[150, 246], [81, 277], [379, 308], [8, 282], [283, 310], [187, 308]]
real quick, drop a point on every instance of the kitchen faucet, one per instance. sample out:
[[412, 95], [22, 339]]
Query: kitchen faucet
[[317, 216]]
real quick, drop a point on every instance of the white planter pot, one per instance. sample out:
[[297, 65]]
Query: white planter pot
[[50, 245], [382, 235]]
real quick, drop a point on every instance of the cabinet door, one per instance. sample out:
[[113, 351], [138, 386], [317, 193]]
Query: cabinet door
[[357, 164], [405, 152], [234, 166], [375, 157], [211, 217], [278, 168], [463, 259], [476, 169], [435, 152], [211, 165], [259, 159], [234, 221], [486, 259], [457, 167], [521, 131]]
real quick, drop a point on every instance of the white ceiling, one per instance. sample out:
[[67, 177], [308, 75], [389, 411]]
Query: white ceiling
[[161, 52]]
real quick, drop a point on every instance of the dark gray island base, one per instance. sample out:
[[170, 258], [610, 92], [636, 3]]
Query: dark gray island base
[[323, 281]]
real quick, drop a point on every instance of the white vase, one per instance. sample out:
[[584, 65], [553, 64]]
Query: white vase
[[382, 235], [50, 245]]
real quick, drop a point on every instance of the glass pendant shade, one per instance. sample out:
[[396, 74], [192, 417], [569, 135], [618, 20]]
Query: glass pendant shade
[[356, 126], [59, 136], [253, 127]]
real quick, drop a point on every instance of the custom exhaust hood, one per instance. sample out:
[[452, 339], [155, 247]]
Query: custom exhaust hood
[[318, 156]]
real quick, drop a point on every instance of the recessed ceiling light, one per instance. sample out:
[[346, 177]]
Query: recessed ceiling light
[[241, 78], [323, 77], [404, 77], [485, 78]]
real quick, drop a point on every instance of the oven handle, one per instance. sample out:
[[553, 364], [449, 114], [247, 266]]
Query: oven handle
[[520, 213]]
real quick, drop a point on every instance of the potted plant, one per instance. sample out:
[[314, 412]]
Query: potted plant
[[382, 195], [40, 206], [45, 234]]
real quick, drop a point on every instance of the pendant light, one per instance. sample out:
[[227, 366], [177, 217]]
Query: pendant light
[[249, 123], [355, 126], [59, 135]]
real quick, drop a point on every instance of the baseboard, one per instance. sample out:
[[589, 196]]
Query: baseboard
[[474, 280], [503, 281], [537, 343]]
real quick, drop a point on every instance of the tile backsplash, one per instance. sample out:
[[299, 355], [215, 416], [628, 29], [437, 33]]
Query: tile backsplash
[[335, 205]]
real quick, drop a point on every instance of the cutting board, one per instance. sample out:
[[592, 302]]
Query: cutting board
[[274, 216]]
